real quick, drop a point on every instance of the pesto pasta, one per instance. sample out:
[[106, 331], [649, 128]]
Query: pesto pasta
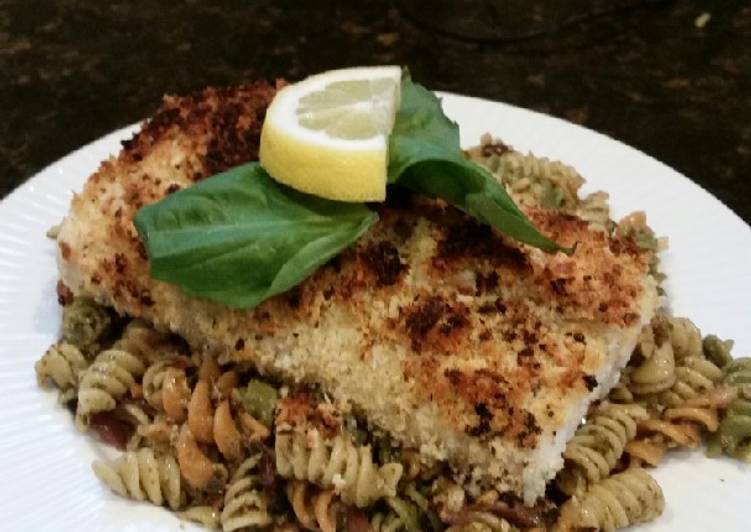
[[733, 436], [312, 506], [336, 463], [245, 505], [143, 475], [227, 446], [61, 365], [625, 499], [598, 445], [107, 380]]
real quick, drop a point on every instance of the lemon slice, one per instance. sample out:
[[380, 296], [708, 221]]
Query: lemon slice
[[328, 134]]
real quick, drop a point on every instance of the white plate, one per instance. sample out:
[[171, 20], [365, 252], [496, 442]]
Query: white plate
[[46, 481]]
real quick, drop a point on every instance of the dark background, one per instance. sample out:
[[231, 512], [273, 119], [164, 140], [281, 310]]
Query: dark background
[[642, 71]]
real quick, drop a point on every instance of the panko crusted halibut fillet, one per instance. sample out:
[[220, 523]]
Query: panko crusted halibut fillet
[[457, 341]]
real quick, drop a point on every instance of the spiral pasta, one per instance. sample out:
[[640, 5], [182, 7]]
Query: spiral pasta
[[143, 341], [685, 338], [313, 508], [733, 436], [165, 388], [198, 469], [694, 377], [219, 425], [206, 516], [142, 475], [598, 445], [62, 364], [594, 209], [536, 181], [676, 427], [109, 378], [137, 418], [656, 373], [399, 515], [625, 499], [336, 463], [717, 350], [244, 504], [482, 522], [85, 324], [738, 373]]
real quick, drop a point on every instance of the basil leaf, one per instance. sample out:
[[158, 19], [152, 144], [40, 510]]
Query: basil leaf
[[425, 156], [240, 237]]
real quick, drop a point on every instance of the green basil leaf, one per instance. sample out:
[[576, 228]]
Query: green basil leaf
[[425, 156], [240, 237]]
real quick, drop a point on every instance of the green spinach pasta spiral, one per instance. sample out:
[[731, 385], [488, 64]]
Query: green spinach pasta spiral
[[598, 445], [399, 515], [108, 379], [86, 324], [625, 499], [336, 463], [733, 436], [718, 351], [245, 505], [408, 512], [62, 364], [142, 475]]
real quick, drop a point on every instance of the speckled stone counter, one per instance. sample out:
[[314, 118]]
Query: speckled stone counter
[[672, 78]]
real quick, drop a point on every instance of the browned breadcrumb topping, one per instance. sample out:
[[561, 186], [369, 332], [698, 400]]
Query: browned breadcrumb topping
[[218, 128], [227, 120], [383, 259], [300, 409]]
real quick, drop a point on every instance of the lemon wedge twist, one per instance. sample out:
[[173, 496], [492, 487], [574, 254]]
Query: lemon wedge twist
[[328, 134]]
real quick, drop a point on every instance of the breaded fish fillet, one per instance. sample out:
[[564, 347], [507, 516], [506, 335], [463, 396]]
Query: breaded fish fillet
[[457, 341]]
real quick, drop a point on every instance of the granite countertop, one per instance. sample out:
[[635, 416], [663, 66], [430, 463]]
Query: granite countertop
[[672, 78]]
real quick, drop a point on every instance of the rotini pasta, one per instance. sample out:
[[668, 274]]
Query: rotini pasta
[[245, 506], [656, 374], [619, 501], [482, 522], [228, 449], [733, 436], [197, 468], [109, 378], [86, 324], [717, 351], [142, 475], [694, 377], [531, 180], [337, 463], [137, 418], [206, 516], [313, 507], [62, 364], [598, 445], [165, 388], [399, 515], [219, 426], [685, 338], [195, 422]]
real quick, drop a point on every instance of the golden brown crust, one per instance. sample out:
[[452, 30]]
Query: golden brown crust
[[225, 122], [215, 129]]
